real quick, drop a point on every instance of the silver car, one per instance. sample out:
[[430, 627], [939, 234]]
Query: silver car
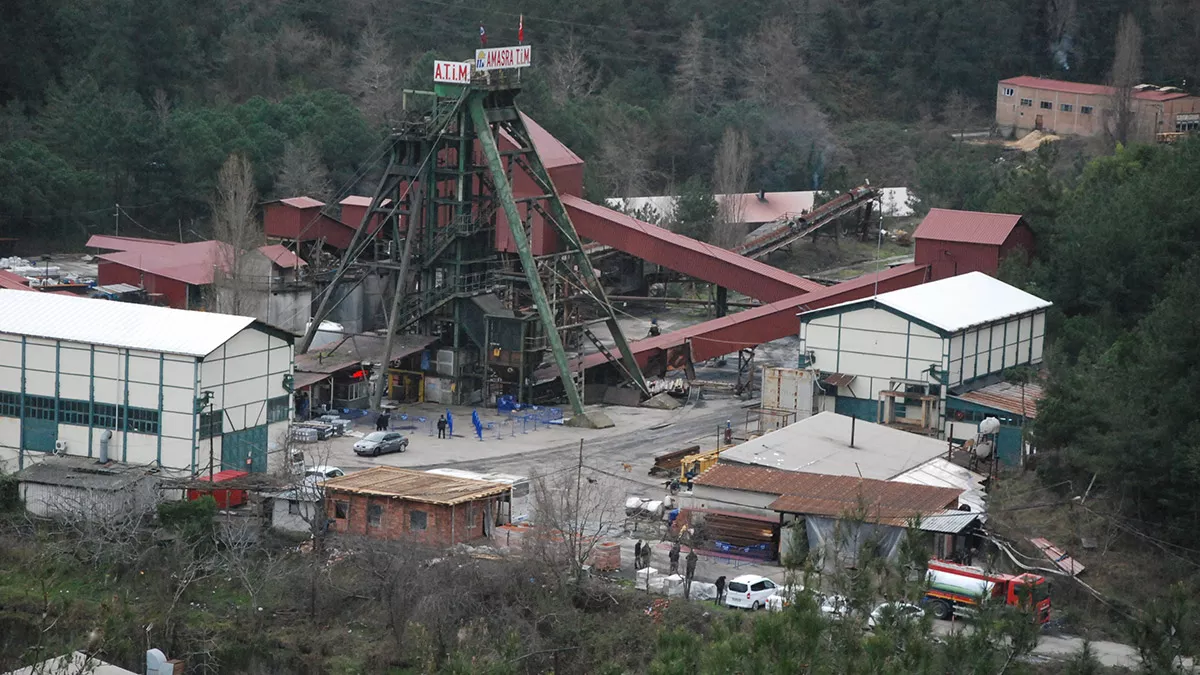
[[379, 442]]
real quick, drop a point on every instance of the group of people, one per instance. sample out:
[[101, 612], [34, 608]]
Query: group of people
[[384, 421], [641, 560]]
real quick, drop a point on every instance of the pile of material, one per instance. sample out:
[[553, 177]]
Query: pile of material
[[1032, 141]]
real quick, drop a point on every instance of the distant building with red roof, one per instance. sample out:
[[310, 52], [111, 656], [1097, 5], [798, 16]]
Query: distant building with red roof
[[1026, 103], [190, 276], [956, 242]]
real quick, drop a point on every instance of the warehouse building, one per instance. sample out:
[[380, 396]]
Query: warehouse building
[[956, 242], [163, 387], [894, 358]]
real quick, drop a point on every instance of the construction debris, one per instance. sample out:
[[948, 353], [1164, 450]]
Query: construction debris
[[663, 401], [1058, 556]]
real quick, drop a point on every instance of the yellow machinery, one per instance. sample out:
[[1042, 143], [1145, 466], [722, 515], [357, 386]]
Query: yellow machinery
[[694, 465]]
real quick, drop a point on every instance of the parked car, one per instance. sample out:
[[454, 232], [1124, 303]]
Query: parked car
[[834, 606], [320, 474], [379, 442], [894, 612], [749, 591]]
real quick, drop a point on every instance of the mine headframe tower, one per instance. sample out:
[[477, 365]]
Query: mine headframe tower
[[457, 248]]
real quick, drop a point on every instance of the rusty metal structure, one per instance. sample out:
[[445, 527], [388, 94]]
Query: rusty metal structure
[[498, 275]]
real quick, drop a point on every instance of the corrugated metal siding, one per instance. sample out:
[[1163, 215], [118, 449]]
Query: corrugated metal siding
[[175, 292], [950, 258]]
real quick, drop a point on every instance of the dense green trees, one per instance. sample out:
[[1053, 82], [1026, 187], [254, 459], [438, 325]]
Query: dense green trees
[[141, 102], [1119, 254]]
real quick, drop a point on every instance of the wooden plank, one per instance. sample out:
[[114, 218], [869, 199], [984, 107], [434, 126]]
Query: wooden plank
[[1058, 556]]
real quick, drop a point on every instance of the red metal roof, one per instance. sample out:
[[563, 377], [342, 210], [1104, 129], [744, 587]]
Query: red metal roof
[[1062, 86], [817, 494], [14, 282], [113, 243], [302, 202], [282, 256], [1008, 397], [551, 150], [190, 263], [1086, 89], [971, 227], [356, 200]]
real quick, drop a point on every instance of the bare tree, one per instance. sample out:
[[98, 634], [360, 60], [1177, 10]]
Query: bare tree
[[958, 112], [731, 173], [626, 154], [375, 82], [574, 510], [1060, 27], [303, 172], [693, 71], [1125, 75], [235, 227], [568, 74], [774, 69]]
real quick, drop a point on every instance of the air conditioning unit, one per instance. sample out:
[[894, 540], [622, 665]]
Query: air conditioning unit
[[60, 446]]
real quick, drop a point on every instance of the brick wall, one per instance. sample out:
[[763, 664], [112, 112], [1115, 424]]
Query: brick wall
[[444, 525]]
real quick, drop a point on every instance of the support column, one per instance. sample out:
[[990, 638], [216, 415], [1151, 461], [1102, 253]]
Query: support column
[[722, 301]]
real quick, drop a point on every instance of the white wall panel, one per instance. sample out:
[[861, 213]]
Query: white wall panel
[[212, 373], [177, 424], [143, 369], [10, 377], [10, 349], [247, 341], [179, 400], [244, 367], [73, 358], [138, 448], [78, 387], [825, 359], [873, 365], [179, 373], [256, 413], [77, 439], [873, 342], [39, 383], [874, 319], [108, 364], [177, 454], [1037, 349], [143, 395], [248, 391], [1010, 355], [821, 337]]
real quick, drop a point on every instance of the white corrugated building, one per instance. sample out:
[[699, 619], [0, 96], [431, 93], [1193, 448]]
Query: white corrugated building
[[894, 357], [170, 385]]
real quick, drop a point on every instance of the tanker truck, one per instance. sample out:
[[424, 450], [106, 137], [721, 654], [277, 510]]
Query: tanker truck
[[955, 588]]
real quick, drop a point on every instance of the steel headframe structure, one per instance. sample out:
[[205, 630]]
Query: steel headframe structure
[[431, 228]]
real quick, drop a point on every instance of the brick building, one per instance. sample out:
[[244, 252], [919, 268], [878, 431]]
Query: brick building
[[386, 502], [1026, 103]]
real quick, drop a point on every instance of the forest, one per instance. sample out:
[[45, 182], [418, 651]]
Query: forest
[[110, 102]]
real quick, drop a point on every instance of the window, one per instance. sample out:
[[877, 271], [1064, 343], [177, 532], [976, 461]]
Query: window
[[738, 587], [104, 415], [1008, 91], [1066, 107], [1085, 110], [375, 515], [341, 509], [293, 507], [1187, 125], [1027, 102], [212, 423], [140, 420], [1045, 105], [10, 404], [279, 409], [74, 412], [417, 520], [39, 407]]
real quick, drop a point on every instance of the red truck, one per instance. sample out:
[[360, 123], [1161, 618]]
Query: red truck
[[959, 588]]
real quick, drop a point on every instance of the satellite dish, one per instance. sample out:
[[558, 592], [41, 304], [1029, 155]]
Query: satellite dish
[[989, 425]]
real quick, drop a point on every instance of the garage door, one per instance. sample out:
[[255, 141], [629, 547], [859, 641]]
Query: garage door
[[245, 450]]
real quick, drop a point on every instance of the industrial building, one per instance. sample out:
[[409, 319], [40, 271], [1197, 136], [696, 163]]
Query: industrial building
[[146, 385], [268, 285], [1026, 103], [895, 357], [954, 242]]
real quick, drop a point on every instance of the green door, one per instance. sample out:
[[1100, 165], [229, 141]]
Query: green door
[[1009, 445], [38, 434], [245, 450]]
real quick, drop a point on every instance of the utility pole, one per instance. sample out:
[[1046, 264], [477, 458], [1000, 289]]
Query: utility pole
[[578, 526], [116, 220]]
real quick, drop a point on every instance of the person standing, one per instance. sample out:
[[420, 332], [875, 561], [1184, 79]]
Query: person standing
[[673, 556], [637, 555], [720, 589], [442, 426], [381, 422]]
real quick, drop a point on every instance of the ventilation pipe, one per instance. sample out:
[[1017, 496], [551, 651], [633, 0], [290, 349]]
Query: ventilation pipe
[[852, 421], [104, 439]]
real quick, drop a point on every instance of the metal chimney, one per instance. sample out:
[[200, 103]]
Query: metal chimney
[[852, 421]]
